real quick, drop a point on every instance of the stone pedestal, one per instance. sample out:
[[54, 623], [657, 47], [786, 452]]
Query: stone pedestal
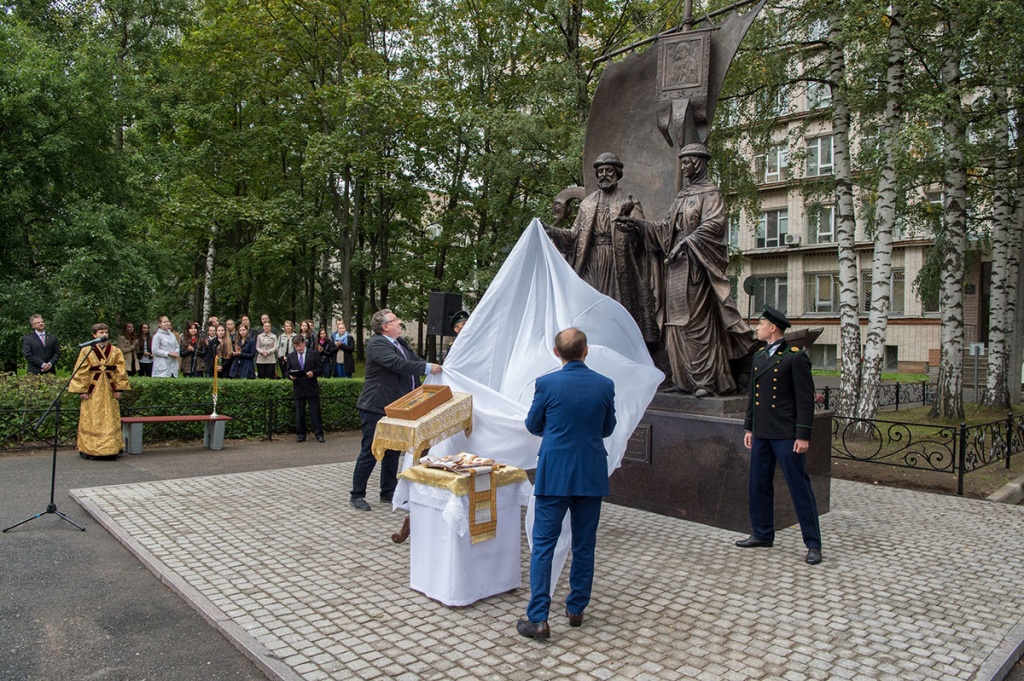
[[694, 466]]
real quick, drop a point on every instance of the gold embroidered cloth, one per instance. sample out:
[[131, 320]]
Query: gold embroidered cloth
[[435, 426], [480, 485], [99, 420]]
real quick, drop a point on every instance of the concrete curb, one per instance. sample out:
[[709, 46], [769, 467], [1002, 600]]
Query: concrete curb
[[1010, 493]]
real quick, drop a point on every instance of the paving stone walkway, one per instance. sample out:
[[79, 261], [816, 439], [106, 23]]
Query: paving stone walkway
[[913, 586]]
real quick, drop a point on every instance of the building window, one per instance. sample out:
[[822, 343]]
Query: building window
[[819, 95], [818, 30], [734, 231], [771, 167], [897, 280], [771, 290], [821, 293], [822, 227], [823, 356], [930, 301], [1013, 115], [772, 228], [780, 104], [819, 156], [734, 288], [892, 358]]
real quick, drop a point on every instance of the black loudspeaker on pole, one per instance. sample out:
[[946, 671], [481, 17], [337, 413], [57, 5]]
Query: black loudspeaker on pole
[[439, 315]]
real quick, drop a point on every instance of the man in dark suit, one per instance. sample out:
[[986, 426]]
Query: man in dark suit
[[392, 370], [302, 367], [780, 413], [573, 411], [41, 349]]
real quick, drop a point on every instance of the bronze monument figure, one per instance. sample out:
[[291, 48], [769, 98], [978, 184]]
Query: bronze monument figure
[[701, 327], [613, 261]]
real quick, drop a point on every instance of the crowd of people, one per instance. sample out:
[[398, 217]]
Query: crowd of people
[[232, 349]]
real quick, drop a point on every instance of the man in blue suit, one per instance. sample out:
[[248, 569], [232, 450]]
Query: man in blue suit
[[573, 411]]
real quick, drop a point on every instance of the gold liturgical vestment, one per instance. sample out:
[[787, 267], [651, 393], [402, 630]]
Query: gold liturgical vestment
[[99, 421]]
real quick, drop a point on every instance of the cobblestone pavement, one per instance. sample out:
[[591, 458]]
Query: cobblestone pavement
[[913, 586]]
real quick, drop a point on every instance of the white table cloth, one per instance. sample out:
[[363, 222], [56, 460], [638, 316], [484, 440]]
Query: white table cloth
[[443, 563]]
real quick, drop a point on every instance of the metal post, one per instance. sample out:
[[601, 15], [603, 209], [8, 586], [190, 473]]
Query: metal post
[[828, 406], [271, 413], [961, 460], [1009, 438], [897, 396]]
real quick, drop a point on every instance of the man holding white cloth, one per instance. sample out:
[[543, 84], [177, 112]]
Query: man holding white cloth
[[573, 411]]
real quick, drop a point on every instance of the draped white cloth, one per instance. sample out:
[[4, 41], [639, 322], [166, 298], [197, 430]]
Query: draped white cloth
[[508, 343]]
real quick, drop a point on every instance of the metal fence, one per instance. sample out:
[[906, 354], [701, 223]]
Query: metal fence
[[889, 395], [945, 449], [20, 429]]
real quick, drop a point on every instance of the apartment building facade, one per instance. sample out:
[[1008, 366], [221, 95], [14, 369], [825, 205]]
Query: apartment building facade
[[786, 254]]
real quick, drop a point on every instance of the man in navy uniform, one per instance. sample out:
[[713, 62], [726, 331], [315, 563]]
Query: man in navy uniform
[[780, 413], [573, 411]]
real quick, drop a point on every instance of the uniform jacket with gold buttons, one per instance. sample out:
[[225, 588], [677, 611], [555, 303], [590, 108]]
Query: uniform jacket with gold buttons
[[781, 405]]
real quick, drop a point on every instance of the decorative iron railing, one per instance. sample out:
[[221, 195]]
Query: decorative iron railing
[[947, 449], [889, 395]]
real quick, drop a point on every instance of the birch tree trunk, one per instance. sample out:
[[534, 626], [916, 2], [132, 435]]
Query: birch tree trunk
[[846, 225], [949, 398], [211, 252], [1001, 307], [885, 220]]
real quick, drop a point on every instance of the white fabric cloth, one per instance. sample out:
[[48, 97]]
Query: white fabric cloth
[[508, 342], [455, 509], [450, 568]]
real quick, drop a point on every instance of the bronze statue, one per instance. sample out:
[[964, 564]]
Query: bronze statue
[[611, 260], [701, 327]]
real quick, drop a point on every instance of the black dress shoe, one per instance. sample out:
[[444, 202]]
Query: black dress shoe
[[813, 556], [359, 504], [533, 629], [300, 438], [574, 619], [319, 438], [386, 498], [753, 541]]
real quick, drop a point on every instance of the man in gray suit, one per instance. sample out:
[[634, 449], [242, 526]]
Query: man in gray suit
[[392, 370], [41, 349]]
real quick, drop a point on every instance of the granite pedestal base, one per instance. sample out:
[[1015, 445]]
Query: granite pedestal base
[[695, 467]]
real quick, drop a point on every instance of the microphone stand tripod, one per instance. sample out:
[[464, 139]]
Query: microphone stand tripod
[[55, 408]]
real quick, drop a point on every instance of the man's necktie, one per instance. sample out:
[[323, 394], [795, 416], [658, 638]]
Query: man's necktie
[[401, 351], [302, 363]]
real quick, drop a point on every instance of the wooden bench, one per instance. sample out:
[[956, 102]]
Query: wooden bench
[[213, 432]]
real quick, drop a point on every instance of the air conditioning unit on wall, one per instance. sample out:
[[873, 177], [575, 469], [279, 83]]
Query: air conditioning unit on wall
[[792, 239]]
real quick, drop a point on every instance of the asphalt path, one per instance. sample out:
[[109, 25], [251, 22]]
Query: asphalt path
[[77, 605]]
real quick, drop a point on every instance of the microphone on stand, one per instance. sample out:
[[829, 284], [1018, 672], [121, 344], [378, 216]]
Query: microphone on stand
[[94, 341]]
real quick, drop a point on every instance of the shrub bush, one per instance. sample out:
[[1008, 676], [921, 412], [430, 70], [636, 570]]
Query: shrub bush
[[257, 407]]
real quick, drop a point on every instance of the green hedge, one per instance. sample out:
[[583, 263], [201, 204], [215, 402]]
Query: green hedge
[[257, 407]]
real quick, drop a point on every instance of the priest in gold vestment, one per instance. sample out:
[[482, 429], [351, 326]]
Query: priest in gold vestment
[[99, 382]]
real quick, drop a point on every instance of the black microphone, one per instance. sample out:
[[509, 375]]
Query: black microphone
[[94, 341]]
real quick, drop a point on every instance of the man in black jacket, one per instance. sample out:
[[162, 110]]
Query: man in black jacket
[[392, 370], [780, 413], [302, 368], [41, 349]]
